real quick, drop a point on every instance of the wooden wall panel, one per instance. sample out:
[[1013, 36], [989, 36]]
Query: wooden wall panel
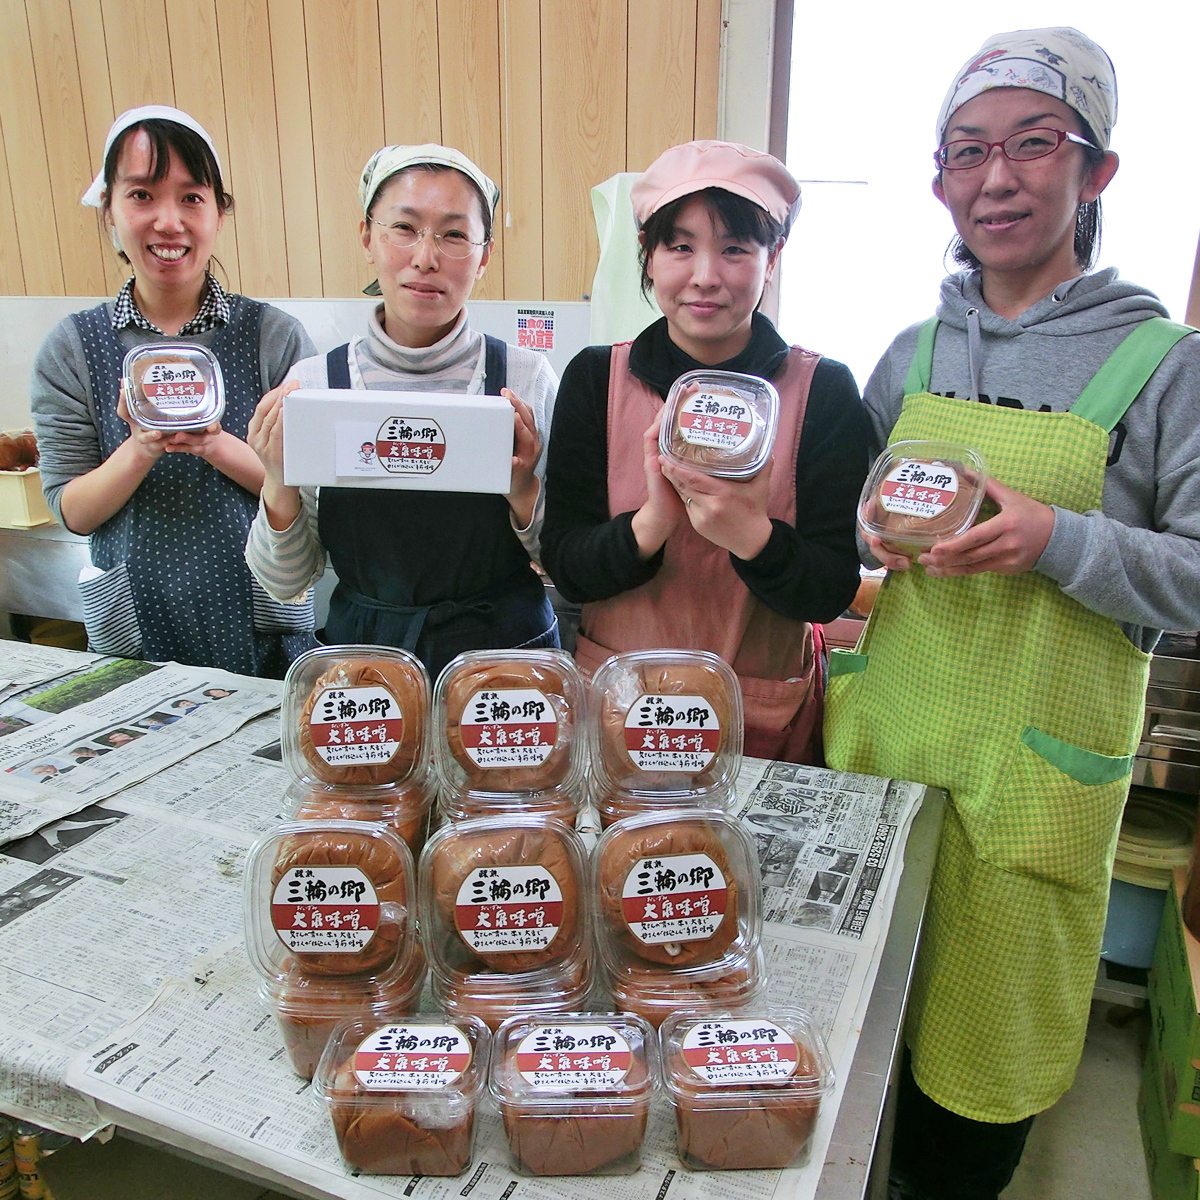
[[12, 276], [87, 19], [253, 140], [708, 68], [408, 53], [29, 170], [520, 214], [61, 103], [469, 51], [347, 123], [549, 97], [660, 103], [583, 131], [297, 162], [139, 53], [200, 83]]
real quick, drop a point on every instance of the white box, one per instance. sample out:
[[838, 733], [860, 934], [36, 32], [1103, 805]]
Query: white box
[[419, 441]]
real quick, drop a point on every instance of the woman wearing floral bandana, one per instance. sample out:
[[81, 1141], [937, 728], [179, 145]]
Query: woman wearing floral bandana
[[1009, 664]]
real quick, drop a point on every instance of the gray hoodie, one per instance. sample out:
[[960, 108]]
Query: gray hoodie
[[1138, 559]]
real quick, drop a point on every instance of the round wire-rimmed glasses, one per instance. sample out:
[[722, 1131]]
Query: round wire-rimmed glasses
[[403, 236], [1026, 145]]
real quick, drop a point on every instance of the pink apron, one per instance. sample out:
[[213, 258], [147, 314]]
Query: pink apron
[[696, 600]]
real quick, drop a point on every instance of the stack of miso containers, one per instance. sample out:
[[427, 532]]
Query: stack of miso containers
[[504, 885], [331, 897], [675, 875]]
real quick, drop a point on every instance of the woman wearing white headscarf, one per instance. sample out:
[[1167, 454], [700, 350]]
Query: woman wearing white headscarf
[[167, 514], [437, 573]]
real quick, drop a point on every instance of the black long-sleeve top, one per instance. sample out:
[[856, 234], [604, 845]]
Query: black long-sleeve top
[[808, 572]]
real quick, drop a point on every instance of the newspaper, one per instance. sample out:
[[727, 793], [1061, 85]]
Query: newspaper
[[204, 1063], [110, 726], [99, 908], [25, 664]]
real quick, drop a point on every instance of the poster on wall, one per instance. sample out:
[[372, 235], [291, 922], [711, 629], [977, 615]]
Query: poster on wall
[[535, 329]]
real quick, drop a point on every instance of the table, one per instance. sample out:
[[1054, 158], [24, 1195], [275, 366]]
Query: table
[[860, 1125]]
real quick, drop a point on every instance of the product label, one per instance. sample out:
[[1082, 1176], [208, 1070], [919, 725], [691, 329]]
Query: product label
[[402, 1057], [919, 489], [356, 725], [740, 1051], [502, 909], [672, 733], [326, 910], [678, 898], [174, 385], [514, 727], [715, 419], [575, 1058], [410, 446]]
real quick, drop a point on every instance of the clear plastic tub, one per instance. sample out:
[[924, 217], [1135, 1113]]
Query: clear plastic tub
[[506, 895], [656, 993], [666, 722], [510, 722], [332, 898], [173, 386], [558, 804], [719, 422], [574, 1092], [746, 1087], [677, 890], [493, 998], [403, 809], [355, 717], [402, 1096], [616, 805], [308, 1008], [920, 493]]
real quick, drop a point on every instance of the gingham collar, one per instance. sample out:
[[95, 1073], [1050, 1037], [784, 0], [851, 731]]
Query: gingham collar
[[214, 310]]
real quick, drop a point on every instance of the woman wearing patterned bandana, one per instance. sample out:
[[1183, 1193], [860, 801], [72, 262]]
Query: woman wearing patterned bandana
[[437, 573], [167, 514], [1009, 664]]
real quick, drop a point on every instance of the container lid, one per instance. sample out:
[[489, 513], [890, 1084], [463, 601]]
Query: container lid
[[505, 894], [558, 803], [332, 898], [739, 1056], [719, 422], [1155, 838], [355, 717], [425, 1055], [569, 1059], [173, 385], [401, 807], [677, 890], [922, 492], [510, 721], [666, 721]]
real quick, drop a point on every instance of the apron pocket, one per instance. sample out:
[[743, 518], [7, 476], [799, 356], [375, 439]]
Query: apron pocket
[[108, 613], [1058, 812], [846, 662], [272, 616]]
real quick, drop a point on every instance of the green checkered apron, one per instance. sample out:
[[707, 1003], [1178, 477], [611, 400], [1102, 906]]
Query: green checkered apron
[[1027, 708]]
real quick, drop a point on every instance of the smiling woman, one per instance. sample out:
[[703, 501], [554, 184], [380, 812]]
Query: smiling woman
[[433, 572], [167, 513], [664, 555]]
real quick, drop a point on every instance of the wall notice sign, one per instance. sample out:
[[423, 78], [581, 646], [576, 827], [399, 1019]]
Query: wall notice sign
[[535, 329]]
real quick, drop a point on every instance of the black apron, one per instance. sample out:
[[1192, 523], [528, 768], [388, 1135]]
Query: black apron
[[409, 563]]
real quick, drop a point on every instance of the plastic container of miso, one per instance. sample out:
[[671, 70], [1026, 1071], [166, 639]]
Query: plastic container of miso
[[173, 386]]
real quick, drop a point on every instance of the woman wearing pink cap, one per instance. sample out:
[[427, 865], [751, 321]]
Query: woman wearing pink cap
[[665, 556]]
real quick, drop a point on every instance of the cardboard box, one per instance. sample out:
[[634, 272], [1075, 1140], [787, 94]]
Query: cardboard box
[[1175, 1022], [419, 441], [1172, 1176], [22, 505]]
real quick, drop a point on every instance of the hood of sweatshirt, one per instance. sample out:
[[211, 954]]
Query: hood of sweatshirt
[[1088, 304]]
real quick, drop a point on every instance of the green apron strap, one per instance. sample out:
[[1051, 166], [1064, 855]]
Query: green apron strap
[[920, 370], [1116, 385]]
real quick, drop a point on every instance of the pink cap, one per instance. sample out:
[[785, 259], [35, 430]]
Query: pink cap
[[761, 178]]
